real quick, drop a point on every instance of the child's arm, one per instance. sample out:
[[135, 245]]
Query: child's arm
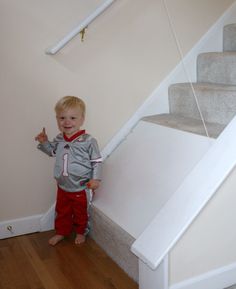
[[44, 145], [96, 162]]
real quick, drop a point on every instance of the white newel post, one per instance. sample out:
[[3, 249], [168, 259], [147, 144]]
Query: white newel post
[[153, 279]]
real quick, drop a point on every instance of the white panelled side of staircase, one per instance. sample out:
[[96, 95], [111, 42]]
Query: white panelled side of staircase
[[143, 172]]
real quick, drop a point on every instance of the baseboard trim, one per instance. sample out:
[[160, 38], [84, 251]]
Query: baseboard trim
[[216, 279], [21, 226], [27, 225], [47, 220]]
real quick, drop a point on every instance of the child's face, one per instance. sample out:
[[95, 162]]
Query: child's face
[[69, 121]]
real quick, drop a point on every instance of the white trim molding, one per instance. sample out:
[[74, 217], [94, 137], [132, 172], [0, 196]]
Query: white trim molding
[[28, 225], [47, 220], [21, 226]]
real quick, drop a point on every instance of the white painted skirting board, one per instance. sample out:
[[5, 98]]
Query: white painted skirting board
[[31, 224], [20, 226], [47, 220], [216, 279]]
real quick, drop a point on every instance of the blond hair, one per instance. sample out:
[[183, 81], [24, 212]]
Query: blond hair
[[68, 102]]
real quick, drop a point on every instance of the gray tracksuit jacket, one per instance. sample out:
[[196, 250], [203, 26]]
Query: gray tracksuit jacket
[[78, 160]]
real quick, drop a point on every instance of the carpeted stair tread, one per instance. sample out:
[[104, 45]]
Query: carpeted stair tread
[[186, 124]]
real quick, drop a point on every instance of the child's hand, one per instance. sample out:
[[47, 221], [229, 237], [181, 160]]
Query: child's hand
[[93, 184], [42, 136]]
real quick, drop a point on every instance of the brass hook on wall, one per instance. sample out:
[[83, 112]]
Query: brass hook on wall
[[82, 33]]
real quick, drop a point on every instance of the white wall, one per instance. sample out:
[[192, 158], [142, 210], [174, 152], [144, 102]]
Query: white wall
[[126, 54], [210, 242]]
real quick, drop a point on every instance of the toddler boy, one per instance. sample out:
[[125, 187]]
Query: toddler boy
[[77, 168]]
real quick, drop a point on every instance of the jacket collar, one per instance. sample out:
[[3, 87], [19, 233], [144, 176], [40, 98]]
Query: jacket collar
[[74, 136]]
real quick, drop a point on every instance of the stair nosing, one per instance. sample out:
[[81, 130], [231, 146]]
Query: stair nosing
[[184, 124], [206, 85]]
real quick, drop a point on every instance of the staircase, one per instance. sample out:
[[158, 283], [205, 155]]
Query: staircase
[[215, 90]]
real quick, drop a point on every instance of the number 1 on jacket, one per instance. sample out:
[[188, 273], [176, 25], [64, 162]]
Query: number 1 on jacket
[[65, 165]]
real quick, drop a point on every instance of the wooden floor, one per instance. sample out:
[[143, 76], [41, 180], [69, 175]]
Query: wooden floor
[[28, 262]]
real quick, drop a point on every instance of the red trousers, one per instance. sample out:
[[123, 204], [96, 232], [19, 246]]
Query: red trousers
[[71, 212]]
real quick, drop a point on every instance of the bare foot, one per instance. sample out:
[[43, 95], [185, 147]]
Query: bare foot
[[55, 239], [79, 239]]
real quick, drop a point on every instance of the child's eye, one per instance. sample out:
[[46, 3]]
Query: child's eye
[[62, 118], [73, 117]]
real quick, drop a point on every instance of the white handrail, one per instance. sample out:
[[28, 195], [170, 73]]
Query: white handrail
[[60, 44], [186, 203]]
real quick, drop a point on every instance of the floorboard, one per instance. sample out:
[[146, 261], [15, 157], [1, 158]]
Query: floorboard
[[28, 262]]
